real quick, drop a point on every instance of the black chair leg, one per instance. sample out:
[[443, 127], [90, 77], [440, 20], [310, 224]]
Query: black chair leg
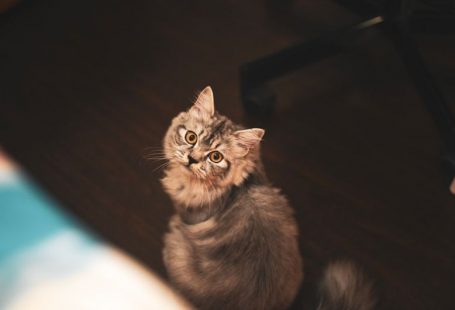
[[257, 97], [428, 90]]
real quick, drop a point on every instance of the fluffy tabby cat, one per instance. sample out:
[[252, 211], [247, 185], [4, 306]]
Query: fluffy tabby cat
[[233, 240]]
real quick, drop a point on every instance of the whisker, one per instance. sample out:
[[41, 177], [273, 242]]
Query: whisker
[[152, 148], [161, 166], [155, 158], [156, 151], [154, 154]]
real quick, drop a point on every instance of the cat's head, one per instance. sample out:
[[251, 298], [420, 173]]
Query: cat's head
[[210, 148]]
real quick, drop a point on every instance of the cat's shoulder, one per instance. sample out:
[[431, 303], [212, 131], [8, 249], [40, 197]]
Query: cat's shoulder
[[267, 197], [265, 191], [266, 207]]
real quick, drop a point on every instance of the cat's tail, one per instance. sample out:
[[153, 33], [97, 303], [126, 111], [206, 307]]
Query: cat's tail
[[345, 286]]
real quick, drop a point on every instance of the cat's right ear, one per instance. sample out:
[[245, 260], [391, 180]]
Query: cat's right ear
[[247, 140], [204, 105]]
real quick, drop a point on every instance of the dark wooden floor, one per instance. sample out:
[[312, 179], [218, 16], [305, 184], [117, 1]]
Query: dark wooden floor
[[87, 86]]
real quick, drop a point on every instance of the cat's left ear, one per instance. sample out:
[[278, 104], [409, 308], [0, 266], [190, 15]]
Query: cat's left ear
[[205, 103], [247, 140]]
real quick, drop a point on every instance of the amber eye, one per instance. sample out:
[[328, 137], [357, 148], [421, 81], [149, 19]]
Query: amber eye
[[191, 137], [216, 156]]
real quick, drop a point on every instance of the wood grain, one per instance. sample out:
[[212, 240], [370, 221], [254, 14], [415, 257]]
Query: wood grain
[[87, 86]]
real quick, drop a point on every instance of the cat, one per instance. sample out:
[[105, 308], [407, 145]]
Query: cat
[[233, 242]]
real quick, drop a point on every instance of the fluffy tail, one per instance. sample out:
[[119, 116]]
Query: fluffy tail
[[345, 287]]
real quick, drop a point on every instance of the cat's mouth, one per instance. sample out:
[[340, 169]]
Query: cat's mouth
[[195, 171]]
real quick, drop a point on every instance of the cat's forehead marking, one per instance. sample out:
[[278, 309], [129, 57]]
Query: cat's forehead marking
[[216, 130]]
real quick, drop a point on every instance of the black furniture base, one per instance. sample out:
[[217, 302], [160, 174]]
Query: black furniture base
[[396, 18]]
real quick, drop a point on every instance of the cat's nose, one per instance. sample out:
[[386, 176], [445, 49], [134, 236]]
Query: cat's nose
[[191, 160]]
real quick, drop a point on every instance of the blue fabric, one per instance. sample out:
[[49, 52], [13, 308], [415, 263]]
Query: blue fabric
[[27, 215], [38, 241]]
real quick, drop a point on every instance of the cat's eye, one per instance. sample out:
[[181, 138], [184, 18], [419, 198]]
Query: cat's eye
[[191, 137], [216, 156]]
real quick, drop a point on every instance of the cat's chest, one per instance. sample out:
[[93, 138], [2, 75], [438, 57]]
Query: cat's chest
[[187, 191]]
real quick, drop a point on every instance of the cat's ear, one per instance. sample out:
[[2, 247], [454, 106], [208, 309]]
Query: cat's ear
[[204, 104], [247, 140]]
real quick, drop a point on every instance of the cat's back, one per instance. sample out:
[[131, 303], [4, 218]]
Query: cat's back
[[266, 246], [245, 258]]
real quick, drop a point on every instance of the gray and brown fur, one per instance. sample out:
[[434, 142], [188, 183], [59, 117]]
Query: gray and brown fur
[[232, 243], [233, 240], [345, 286]]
